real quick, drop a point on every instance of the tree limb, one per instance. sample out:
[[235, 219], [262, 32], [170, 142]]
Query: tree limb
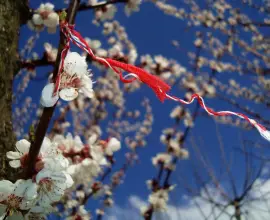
[[48, 112]]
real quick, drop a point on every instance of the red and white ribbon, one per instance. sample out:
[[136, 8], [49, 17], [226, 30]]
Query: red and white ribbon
[[156, 84]]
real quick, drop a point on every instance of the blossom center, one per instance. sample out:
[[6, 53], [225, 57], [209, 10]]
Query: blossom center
[[45, 14], [14, 201], [47, 184], [24, 160], [68, 81]]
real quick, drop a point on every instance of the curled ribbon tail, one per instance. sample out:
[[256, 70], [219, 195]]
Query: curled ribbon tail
[[261, 129], [156, 84], [265, 134]]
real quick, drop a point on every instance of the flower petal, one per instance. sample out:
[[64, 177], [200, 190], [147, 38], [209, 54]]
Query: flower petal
[[88, 92], [48, 6], [54, 197], [58, 138], [58, 163], [47, 98], [31, 191], [72, 169], [68, 94], [69, 181], [21, 187], [46, 200], [92, 139], [46, 144], [42, 209], [44, 173], [37, 19], [52, 21], [13, 155], [75, 64], [59, 177], [23, 146], [114, 144], [15, 163], [6, 188]]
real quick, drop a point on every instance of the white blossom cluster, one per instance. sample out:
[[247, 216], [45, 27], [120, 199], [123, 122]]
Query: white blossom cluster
[[238, 91], [87, 161], [165, 162], [60, 164], [47, 186], [167, 69], [75, 78], [121, 47], [159, 199], [200, 85], [44, 16]]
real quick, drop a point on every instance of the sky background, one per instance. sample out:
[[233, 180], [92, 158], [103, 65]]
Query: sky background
[[152, 32]]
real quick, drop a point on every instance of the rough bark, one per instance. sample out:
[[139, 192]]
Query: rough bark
[[10, 11]]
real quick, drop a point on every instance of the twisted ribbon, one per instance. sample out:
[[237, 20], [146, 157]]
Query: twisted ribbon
[[156, 84]]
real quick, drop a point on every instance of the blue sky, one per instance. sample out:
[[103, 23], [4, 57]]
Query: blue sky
[[152, 32]]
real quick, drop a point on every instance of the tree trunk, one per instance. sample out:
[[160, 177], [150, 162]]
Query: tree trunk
[[10, 11]]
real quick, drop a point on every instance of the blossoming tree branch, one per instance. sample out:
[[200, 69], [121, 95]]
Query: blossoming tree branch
[[55, 153]]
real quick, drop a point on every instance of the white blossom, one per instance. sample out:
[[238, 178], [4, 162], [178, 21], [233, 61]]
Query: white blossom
[[75, 78], [46, 16], [51, 157], [84, 172], [177, 112], [22, 149], [162, 61], [52, 186], [106, 14], [177, 150], [96, 150], [68, 143], [132, 6], [163, 158], [159, 200], [93, 44], [112, 146], [20, 195]]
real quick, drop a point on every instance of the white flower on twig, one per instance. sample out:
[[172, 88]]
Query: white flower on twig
[[45, 16], [160, 198], [112, 146], [49, 155], [68, 143], [162, 158], [18, 157], [19, 195], [96, 150], [75, 78], [52, 186]]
